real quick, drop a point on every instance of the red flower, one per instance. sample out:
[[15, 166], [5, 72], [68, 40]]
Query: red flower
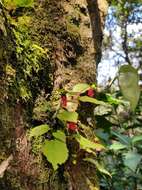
[[90, 92], [72, 126], [63, 101]]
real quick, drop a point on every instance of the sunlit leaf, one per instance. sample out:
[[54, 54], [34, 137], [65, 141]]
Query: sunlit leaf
[[87, 144], [91, 100], [113, 100], [117, 146], [68, 116], [39, 130], [60, 136], [56, 150], [81, 87], [128, 82]]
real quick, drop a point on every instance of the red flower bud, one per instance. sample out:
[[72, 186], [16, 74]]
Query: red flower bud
[[64, 101], [90, 92], [72, 126]]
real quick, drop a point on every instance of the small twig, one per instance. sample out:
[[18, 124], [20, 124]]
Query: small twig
[[4, 165]]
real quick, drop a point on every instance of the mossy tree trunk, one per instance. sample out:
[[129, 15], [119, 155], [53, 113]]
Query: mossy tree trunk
[[70, 33]]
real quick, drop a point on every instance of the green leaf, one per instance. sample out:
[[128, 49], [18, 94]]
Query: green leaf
[[68, 116], [132, 159], [81, 87], [113, 100], [117, 146], [128, 82], [102, 110], [56, 150], [60, 136], [122, 138], [91, 100], [39, 130], [137, 138], [87, 144], [99, 166]]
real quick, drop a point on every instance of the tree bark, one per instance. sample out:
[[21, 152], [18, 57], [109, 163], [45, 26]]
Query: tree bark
[[71, 32]]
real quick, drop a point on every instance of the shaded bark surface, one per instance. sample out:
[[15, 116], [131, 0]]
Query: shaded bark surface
[[72, 33]]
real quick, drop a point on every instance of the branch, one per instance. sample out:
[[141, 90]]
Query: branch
[[4, 165]]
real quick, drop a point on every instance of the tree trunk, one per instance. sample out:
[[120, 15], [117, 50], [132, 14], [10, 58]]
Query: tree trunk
[[70, 32]]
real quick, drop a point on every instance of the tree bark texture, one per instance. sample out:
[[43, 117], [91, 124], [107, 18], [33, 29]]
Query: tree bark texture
[[70, 32]]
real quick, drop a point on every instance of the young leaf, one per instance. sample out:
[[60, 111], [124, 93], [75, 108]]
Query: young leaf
[[56, 150], [117, 146], [91, 100], [132, 159], [99, 166], [87, 144], [59, 135], [113, 100], [81, 87], [39, 130], [137, 138], [128, 82], [68, 116]]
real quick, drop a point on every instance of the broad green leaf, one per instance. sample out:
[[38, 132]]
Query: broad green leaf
[[128, 82], [68, 116], [113, 100], [91, 100], [122, 138], [60, 136], [87, 144], [39, 130], [132, 159], [102, 110], [136, 139], [81, 87], [117, 146], [56, 150], [99, 166]]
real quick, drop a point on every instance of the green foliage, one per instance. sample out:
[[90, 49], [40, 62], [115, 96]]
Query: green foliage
[[102, 110], [123, 139], [91, 100], [128, 81], [132, 159], [68, 116], [87, 145], [56, 150], [118, 146], [39, 130], [136, 139], [81, 87]]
